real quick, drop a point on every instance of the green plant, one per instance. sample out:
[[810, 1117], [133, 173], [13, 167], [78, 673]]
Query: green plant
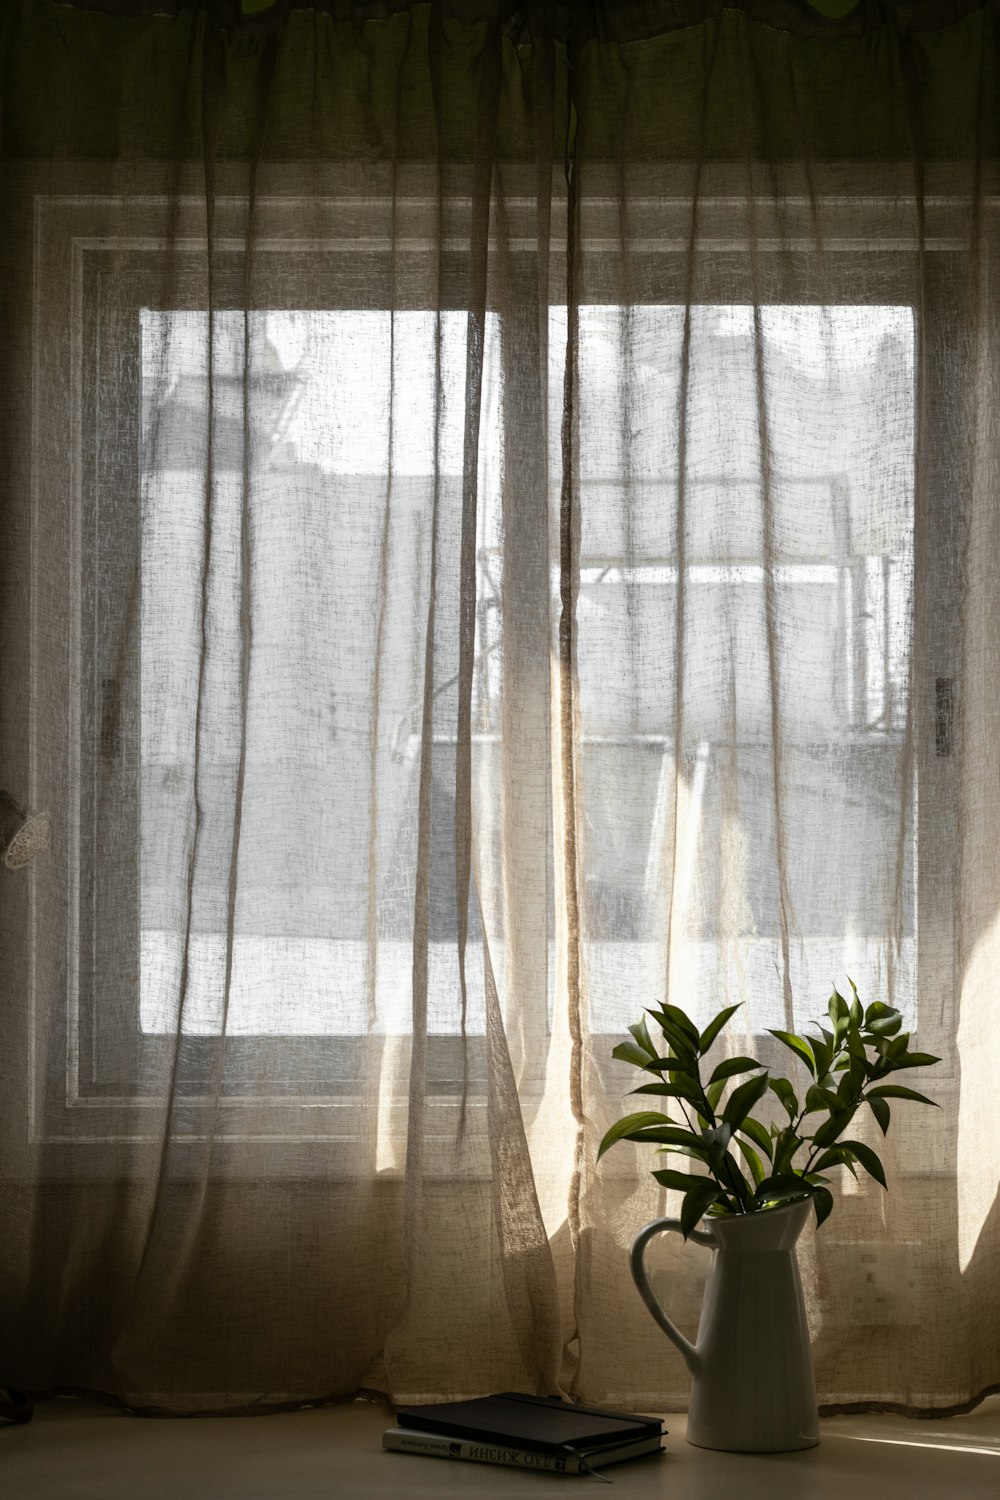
[[849, 1063]]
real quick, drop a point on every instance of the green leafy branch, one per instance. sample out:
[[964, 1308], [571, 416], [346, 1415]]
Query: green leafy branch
[[752, 1166]]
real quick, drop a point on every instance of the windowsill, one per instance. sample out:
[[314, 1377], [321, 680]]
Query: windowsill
[[82, 1448]]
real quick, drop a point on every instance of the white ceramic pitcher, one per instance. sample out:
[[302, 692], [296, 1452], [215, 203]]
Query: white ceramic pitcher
[[752, 1389]]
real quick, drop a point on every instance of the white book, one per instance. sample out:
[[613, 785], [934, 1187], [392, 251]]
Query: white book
[[438, 1445]]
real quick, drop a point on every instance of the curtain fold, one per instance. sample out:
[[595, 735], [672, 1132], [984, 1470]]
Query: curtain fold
[[500, 530]]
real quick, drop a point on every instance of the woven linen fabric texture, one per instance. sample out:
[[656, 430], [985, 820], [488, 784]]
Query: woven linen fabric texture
[[500, 527]]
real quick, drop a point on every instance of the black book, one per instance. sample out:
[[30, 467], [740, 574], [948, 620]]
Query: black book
[[543, 1424], [561, 1461]]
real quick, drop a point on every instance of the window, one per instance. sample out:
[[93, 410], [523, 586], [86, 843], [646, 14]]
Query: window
[[299, 974]]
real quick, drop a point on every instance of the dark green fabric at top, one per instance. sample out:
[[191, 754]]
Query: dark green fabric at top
[[109, 80]]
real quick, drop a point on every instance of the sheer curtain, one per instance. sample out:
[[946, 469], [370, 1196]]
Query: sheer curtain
[[501, 528]]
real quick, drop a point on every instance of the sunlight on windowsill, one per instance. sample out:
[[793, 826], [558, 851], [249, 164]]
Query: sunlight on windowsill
[[956, 1446]]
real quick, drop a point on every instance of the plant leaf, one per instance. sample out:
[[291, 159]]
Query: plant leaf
[[728, 1171], [833, 1127], [866, 1156], [858, 1059], [823, 1053], [696, 1200], [742, 1100], [670, 1065], [752, 1160], [800, 1046], [683, 1090], [784, 1091], [881, 1112], [682, 1021], [680, 1181], [669, 1136], [677, 1149], [818, 1099], [630, 1053], [886, 1026], [878, 1011], [713, 1093], [680, 1042], [640, 1032], [716, 1143], [715, 1026], [758, 1134], [627, 1126], [785, 1146], [822, 1203], [838, 1009], [782, 1185], [897, 1091], [916, 1060], [731, 1066], [685, 1083], [834, 1157]]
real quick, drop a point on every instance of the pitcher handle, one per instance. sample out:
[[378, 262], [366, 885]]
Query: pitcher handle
[[638, 1267]]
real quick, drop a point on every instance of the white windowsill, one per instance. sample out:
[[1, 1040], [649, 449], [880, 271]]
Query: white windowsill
[[83, 1449]]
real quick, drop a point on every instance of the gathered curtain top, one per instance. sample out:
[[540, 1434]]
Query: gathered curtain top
[[571, 21], [653, 81]]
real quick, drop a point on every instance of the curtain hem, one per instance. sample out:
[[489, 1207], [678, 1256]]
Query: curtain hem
[[902, 1409], [381, 1398]]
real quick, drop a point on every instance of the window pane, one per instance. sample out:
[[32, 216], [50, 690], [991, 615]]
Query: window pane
[[786, 564], [311, 413]]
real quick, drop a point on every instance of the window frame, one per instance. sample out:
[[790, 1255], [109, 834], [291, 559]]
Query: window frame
[[69, 228], [71, 225]]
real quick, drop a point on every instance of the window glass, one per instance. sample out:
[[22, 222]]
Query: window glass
[[335, 410], [339, 405], [827, 563]]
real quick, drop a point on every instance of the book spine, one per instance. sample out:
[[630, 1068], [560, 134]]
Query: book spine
[[433, 1446]]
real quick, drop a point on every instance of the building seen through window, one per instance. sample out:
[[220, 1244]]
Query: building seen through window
[[317, 416]]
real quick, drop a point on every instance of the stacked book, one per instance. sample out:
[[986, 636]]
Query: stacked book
[[524, 1432]]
